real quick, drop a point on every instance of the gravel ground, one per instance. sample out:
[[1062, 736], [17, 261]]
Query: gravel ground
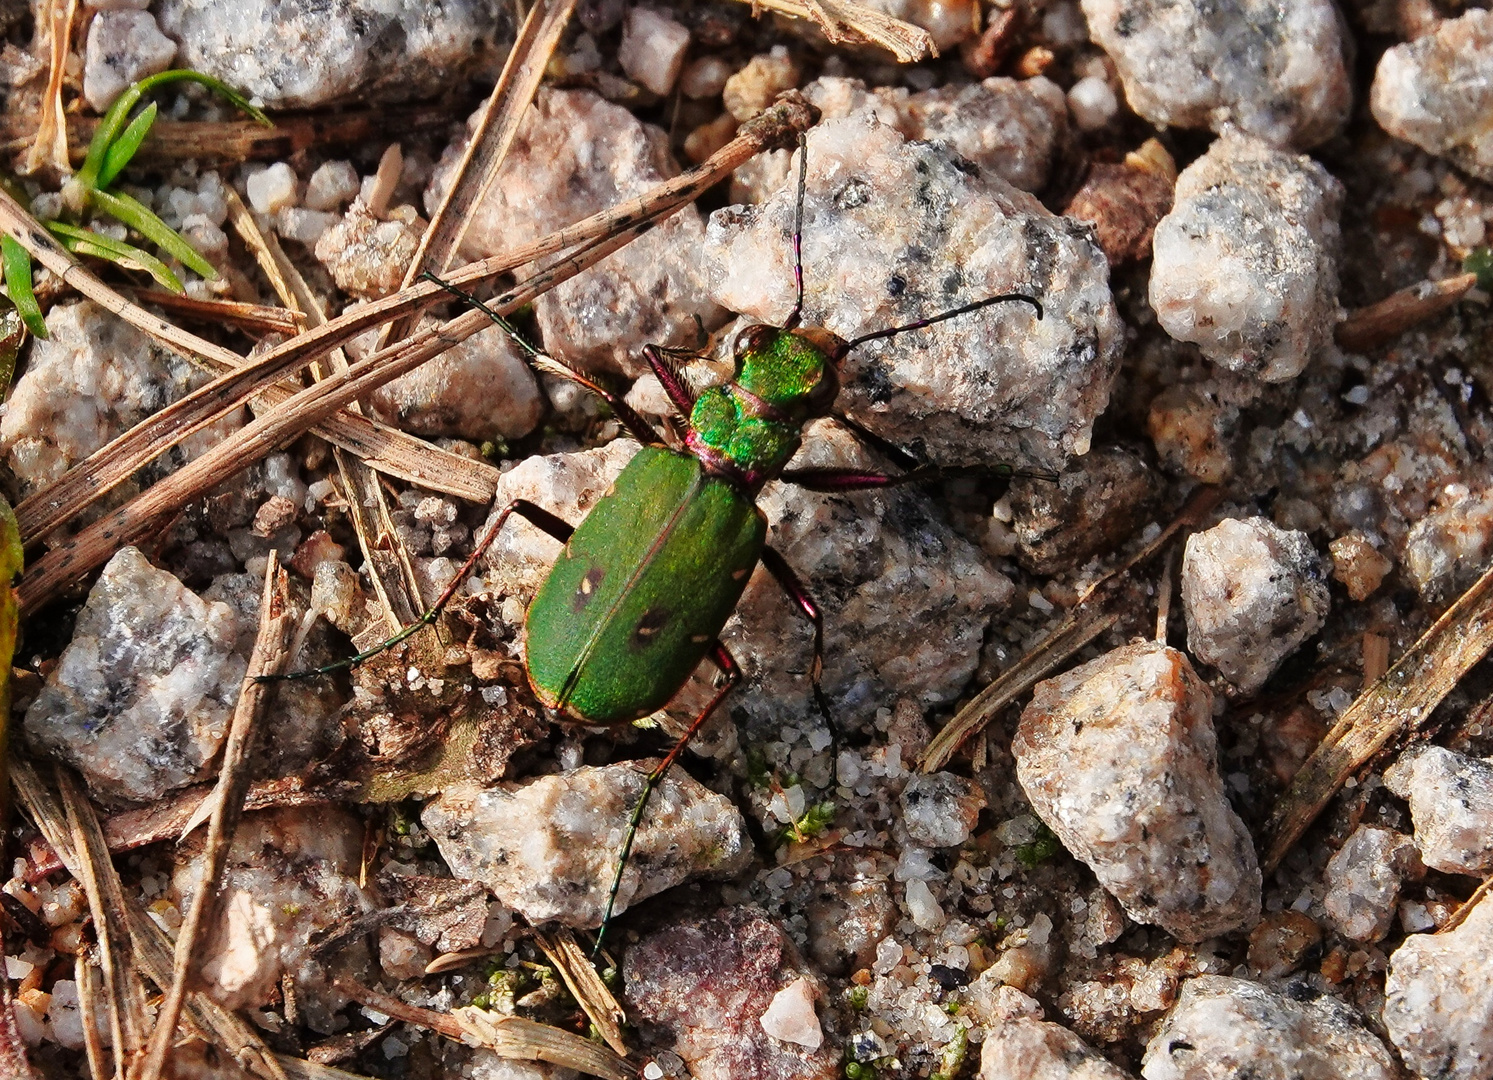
[[1202, 196]]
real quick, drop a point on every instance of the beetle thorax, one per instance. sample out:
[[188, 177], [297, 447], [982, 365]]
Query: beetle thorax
[[750, 428]]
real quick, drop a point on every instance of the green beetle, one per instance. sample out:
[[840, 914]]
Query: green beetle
[[647, 580]]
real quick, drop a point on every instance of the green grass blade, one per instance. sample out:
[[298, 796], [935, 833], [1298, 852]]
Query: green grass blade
[[114, 121], [87, 242], [123, 148], [134, 214], [17, 263]]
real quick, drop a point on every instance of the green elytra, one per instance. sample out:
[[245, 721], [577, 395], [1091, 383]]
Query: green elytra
[[646, 582]]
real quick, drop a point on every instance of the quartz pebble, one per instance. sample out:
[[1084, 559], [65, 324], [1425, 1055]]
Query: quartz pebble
[[1224, 1028], [1119, 758], [1190, 429], [1281, 941], [1449, 547], [367, 255], [1034, 1049], [1437, 1008], [652, 49], [291, 873], [306, 53], [1246, 261], [1437, 92], [1271, 68], [790, 1016], [576, 154], [1451, 805], [548, 847], [1252, 593], [706, 983], [302, 225], [1358, 564], [752, 89], [332, 186], [1010, 128], [1363, 881], [93, 378], [847, 923], [272, 189], [896, 230], [941, 809], [123, 47], [1096, 504], [1092, 103], [704, 78], [141, 697], [479, 390]]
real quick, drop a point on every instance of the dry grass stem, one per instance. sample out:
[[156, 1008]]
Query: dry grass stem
[[1465, 909], [254, 318], [49, 146], [1105, 603], [1375, 325], [95, 872], [359, 481], [585, 985], [90, 994], [845, 22], [507, 1036], [489, 145], [229, 142], [1396, 704], [267, 658]]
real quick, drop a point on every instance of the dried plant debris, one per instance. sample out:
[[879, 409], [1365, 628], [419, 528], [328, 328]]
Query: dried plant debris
[[1151, 736]]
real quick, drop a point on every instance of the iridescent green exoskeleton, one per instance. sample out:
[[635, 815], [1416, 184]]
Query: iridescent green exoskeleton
[[647, 580]]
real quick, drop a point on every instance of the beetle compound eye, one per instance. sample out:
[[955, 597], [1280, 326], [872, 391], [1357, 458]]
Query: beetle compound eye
[[752, 340]]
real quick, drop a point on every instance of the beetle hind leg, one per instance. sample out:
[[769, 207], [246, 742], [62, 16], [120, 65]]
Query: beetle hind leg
[[722, 659], [535, 515]]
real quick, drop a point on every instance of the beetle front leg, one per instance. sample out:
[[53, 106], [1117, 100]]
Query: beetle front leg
[[778, 567], [535, 515], [722, 659]]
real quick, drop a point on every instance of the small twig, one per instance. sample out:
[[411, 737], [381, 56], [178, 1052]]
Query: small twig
[[256, 318], [585, 985], [1096, 611], [1375, 657], [1401, 701], [845, 22], [1377, 324], [507, 1036], [1164, 599], [89, 993], [1460, 915], [101, 883], [267, 658]]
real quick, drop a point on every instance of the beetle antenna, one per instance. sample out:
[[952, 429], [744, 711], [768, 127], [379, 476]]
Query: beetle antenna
[[943, 315], [796, 315]]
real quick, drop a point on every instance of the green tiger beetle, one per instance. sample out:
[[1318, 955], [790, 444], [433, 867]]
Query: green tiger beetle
[[647, 580]]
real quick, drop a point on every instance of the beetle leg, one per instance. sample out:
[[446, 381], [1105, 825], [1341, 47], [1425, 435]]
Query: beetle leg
[[535, 515], [670, 379], [833, 480], [778, 567], [722, 659], [629, 417]]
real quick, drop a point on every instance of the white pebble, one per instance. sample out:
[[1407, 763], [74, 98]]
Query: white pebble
[[306, 226], [331, 186], [271, 189], [652, 49], [791, 1017], [923, 906], [1092, 103]]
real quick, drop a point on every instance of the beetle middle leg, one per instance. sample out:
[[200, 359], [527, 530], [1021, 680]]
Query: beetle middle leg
[[722, 658], [534, 514], [778, 567]]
